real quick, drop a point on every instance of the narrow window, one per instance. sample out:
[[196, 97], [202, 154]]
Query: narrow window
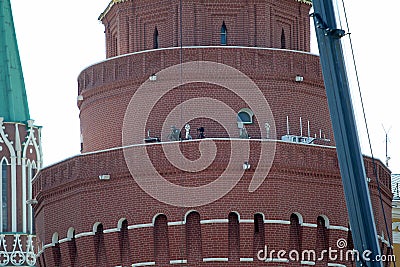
[[295, 233], [383, 246], [57, 254], [322, 236], [101, 255], [350, 245], [43, 260], [155, 38], [224, 33], [389, 252], [4, 196], [32, 210], [31, 173], [39, 261], [193, 238], [161, 242], [115, 46], [73, 252], [124, 244], [56, 250], [259, 234], [283, 40], [233, 237]]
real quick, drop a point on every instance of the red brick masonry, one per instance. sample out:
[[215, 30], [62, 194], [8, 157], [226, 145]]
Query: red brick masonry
[[304, 180]]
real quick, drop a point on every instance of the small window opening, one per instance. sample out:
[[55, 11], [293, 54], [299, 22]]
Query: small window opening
[[224, 33], [283, 40], [155, 38], [245, 116]]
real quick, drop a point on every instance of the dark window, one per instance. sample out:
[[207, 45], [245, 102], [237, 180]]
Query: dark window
[[245, 115], [295, 233], [233, 237], [161, 242], [155, 38], [283, 40], [4, 195], [389, 252], [115, 46], [73, 251], [57, 254], [101, 255], [259, 234], [124, 244], [224, 33], [322, 236], [193, 238], [350, 244]]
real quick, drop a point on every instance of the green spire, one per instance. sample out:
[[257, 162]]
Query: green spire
[[13, 101]]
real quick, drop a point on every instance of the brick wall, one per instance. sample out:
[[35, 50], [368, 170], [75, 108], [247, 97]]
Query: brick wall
[[71, 195], [108, 87], [130, 25]]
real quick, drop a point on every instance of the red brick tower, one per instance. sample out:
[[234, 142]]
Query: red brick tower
[[206, 136]]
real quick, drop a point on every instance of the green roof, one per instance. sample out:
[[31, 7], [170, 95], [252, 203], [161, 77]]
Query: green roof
[[13, 100]]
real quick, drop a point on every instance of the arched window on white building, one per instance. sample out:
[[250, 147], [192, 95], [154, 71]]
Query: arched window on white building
[[4, 173]]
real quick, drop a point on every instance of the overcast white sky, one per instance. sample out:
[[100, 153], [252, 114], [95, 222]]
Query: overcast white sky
[[58, 39]]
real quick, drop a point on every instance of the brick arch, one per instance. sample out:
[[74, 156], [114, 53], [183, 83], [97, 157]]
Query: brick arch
[[54, 238], [120, 222], [70, 233], [187, 214], [299, 216], [95, 226], [326, 220]]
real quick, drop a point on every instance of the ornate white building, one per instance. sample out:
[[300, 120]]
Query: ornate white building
[[20, 153]]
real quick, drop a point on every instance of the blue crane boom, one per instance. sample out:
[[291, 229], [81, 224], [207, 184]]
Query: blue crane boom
[[351, 163]]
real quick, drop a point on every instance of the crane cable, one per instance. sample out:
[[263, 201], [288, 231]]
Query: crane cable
[[366, 126]]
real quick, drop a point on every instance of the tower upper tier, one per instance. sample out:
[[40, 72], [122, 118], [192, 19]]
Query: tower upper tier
[[13, 100], [132, 26]]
